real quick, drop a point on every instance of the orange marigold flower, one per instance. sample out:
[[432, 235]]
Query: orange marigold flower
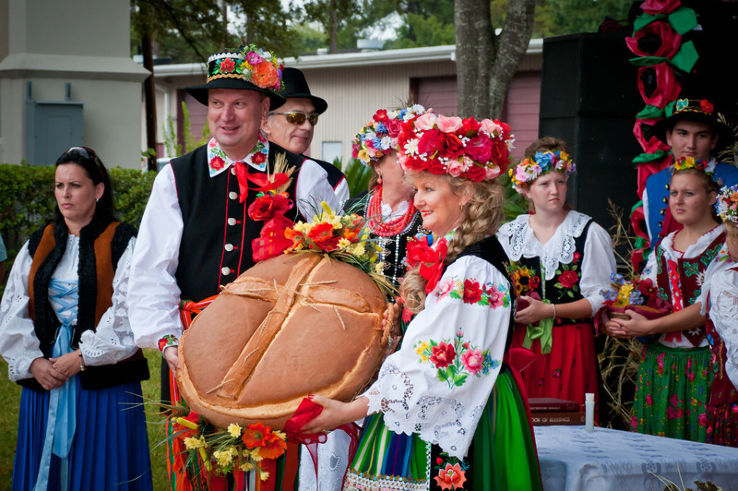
[[255, 435], [272, 447]]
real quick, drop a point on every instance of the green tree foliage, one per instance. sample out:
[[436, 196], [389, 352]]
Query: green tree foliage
[[27, 199]]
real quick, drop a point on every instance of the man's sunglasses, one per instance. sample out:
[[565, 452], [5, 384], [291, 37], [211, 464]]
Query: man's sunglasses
[[296, 117]]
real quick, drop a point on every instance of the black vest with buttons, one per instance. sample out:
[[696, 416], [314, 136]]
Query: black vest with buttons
[[217, 234]]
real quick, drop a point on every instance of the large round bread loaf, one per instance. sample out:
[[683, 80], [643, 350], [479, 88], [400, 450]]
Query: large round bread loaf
[[290, 326]]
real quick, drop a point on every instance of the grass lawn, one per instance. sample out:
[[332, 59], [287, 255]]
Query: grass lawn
[[10, 397]]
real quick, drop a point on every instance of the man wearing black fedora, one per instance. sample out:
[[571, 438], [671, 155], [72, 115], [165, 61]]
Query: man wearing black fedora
[[691, 129], [292, 124], [196, 233]]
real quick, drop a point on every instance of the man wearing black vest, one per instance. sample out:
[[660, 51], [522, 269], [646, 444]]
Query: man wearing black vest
[[292, 124], [196, 234]]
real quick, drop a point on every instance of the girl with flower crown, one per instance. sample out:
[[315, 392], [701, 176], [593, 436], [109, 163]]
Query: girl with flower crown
[[388, 206], [559, 261], [719, 300], [674, 376], [445, 411]]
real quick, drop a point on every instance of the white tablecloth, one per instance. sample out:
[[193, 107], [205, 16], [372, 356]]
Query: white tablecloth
[[572, 459]]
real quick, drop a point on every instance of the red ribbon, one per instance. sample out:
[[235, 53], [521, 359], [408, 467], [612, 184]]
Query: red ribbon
[[307, 411], [270, 208], [262, 181], [429, 259]]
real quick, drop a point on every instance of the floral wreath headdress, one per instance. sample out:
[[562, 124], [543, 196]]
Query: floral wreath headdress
[[727, 204], [530, 169], [379, 136], [708, 167], [251, 64], [467, 148]]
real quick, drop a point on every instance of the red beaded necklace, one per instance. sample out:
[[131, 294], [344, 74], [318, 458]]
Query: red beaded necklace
[[374, 215]]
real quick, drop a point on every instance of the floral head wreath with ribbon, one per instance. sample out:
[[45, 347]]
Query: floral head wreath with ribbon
[[466, 148], [379, 136], [530, 169], [727, 204], [251, 64]]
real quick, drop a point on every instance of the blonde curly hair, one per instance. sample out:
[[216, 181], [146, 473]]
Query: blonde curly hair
[[481, 217]]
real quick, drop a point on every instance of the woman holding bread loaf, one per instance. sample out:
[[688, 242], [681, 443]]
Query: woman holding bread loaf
[[65, 334], [434, 406]]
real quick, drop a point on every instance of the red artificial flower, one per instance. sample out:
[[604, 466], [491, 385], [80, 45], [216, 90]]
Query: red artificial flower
[[453, 146], [322, 235], [394, 126], [416, 164], [661, 30], [439, 460], [430, 260], [227, 65], [265, 207], [654, 7], [505, 129], [258, 158], [451, 477], [380, 115], [534, 282], [577, 256], [217, 163], [475, 173], [255, 435], [500, 154], [435, 166], [472, 292], [568, 279], [272, 447], [706, 106], [442, 355], [469, 127], [264, 75], [418, 251], [430, 142], [479, 148], [183, 431]]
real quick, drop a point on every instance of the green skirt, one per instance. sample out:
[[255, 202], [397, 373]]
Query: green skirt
[[672, 391], [502, 454]]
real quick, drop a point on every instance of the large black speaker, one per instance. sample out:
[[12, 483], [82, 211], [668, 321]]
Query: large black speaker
[[589, 97]]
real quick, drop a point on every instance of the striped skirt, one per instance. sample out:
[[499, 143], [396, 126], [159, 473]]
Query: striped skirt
[[502, 454]]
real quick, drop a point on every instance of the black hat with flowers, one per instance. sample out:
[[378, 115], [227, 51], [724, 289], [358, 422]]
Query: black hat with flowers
[[686, 109], [248, 68], [295, 86]]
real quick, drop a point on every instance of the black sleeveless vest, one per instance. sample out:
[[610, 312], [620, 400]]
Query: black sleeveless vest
[[217, 234]]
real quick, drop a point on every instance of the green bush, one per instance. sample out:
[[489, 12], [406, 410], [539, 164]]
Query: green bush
[[27, 200]]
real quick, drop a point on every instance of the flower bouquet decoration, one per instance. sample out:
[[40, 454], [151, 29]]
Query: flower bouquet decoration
[[342, 237], [196, 442], [639, 295]]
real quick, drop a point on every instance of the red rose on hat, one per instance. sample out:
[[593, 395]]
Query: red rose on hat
[[475, 173], [394, 126], [454, 148], [469, 126], [706, 106], [430, 142], [479, 148]]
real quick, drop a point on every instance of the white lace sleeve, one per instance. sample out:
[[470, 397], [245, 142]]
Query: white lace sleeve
[[153, 294], [19, 345], [112, 341], [723, 313], [649, 271], [438, 383], [597, 266], [312, 187]]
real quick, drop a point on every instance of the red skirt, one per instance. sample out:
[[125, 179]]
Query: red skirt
[[569, 370]]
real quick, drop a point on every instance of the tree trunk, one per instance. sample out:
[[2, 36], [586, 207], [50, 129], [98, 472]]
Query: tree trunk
[[332, 27], [511, 47], [149, 97], [473, 56]]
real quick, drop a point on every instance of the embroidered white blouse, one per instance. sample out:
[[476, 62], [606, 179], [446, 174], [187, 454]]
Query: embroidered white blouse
[[598, 263], [111, 342], [721, 281], [438, 383], [154, 290], [694, 250]]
